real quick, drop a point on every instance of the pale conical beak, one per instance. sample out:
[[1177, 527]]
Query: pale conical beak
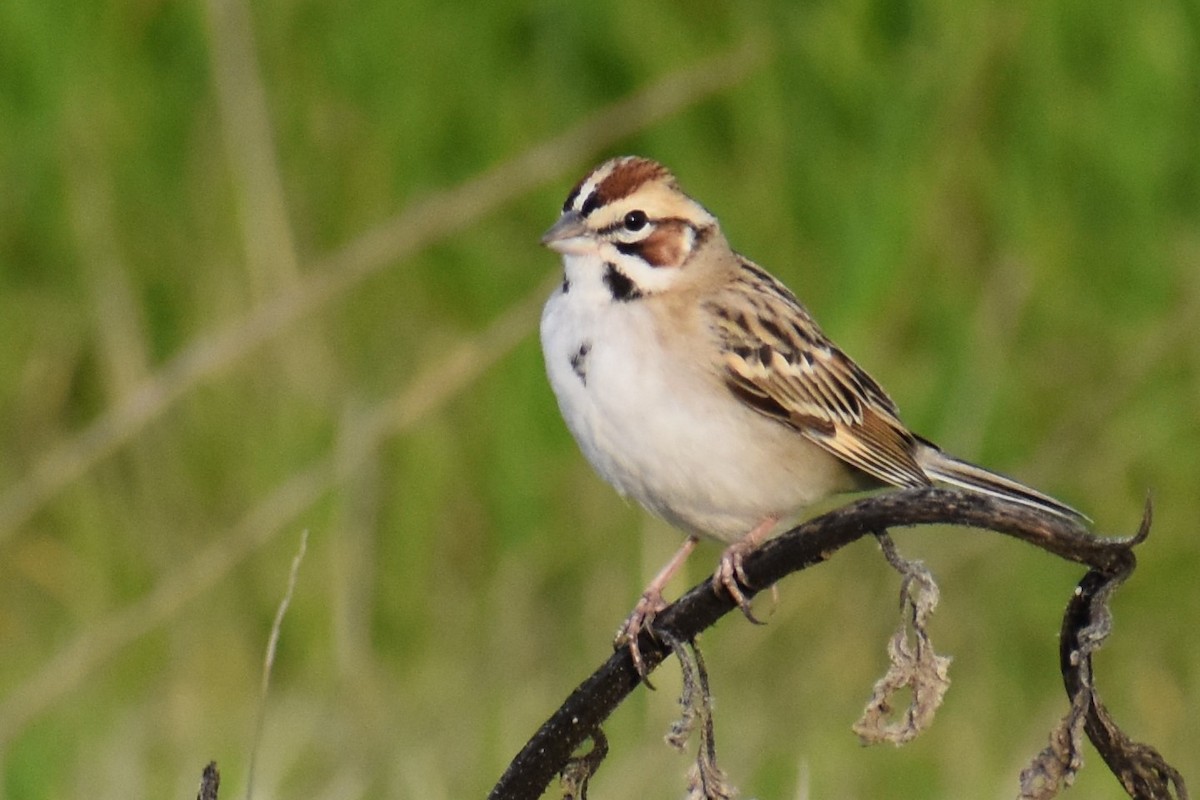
[[568, 235]]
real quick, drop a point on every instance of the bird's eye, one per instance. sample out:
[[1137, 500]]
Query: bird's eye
[[635, 220]]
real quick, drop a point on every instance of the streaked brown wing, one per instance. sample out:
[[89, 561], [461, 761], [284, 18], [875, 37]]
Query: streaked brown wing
[[777, 361]]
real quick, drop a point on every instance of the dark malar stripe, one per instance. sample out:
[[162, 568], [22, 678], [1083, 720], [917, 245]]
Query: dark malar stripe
[[623, 289]]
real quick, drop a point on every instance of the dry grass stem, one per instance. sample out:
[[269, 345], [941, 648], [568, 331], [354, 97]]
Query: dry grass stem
[[269, 661], [353, 551], [118, 318], [245, 118], [268, 243]]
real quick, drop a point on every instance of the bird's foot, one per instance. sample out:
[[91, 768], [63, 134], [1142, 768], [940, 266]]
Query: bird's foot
[[640, 619]]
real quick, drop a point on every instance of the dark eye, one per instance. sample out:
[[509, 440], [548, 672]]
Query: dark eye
[[635, 220]]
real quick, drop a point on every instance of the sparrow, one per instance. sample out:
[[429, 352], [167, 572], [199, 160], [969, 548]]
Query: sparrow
[[697, 384]]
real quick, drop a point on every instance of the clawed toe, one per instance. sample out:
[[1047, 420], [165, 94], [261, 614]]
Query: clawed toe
[[640, 619], [731, 576], [647, 608]]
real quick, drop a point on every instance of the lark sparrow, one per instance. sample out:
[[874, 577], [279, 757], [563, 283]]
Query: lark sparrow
[[697, 384]]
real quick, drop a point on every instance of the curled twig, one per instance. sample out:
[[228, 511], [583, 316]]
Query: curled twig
[[1140, 768]]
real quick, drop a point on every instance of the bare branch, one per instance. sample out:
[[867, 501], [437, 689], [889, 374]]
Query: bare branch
[[1086, 624], [814, 542]]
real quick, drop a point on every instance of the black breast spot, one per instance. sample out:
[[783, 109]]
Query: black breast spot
[[579, 361]]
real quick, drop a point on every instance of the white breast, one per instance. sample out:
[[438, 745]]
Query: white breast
[[664, 431]]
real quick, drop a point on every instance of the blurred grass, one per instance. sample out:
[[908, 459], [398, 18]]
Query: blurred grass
[[994, 207]]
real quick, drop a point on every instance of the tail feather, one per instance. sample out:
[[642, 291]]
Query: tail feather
[[947, 469]]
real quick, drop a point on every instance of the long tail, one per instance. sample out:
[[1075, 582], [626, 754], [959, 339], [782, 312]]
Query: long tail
[[947, 469]]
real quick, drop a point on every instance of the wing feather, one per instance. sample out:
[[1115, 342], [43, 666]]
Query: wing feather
[[778, 361]]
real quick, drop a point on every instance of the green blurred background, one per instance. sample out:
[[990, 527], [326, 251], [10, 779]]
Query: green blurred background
[[252, 283]]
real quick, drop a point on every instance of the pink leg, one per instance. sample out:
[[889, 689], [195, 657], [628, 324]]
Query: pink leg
[[730, 570], [650, 603]]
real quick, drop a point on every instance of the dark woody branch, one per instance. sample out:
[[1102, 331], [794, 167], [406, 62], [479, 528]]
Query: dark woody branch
[[1139, 767], [1141, 770]]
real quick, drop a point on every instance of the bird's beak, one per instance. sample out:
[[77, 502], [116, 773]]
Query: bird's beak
[[568, 235]]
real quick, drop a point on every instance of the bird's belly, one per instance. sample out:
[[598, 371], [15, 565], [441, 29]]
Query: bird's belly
[[673, 437]]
